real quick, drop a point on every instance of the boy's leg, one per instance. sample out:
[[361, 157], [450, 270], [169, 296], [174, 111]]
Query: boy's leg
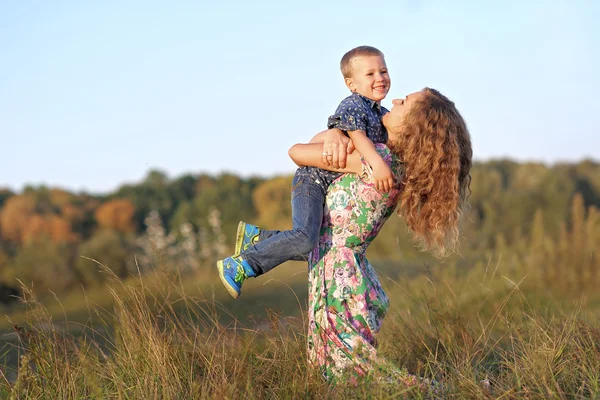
[[308, 199], [265, 234], [248, 235]]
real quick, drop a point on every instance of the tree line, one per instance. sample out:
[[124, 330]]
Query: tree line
[[49, 237]]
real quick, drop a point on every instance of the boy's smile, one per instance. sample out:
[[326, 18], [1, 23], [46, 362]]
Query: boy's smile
[[370, 77]]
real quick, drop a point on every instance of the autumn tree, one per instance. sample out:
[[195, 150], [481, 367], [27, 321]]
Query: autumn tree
[[27, 217], [15, 216], [272, 201], [116, 215]]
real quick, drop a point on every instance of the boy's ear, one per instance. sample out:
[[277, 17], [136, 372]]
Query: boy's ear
[[350, 84]]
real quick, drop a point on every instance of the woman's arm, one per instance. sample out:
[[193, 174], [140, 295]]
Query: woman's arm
[[311, 155], [319, 137]]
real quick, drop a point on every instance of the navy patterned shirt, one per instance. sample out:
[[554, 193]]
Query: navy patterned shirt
[[355, 112]]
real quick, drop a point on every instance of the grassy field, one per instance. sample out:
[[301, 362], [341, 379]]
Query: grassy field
[[488, 333]]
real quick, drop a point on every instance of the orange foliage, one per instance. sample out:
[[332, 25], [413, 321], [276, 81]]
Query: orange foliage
[[72, 212], [271, 200], [60, 197], [54, 227], [34, 228], [20, 222], [15, 215], [117, 215], [59, 229]]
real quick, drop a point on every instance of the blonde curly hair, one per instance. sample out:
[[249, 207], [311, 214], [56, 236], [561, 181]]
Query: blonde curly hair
[[435, 147]]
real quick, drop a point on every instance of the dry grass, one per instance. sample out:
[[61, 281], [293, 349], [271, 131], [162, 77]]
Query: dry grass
[[483, 335]]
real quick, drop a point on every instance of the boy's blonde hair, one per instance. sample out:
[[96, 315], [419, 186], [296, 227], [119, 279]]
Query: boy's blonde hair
[[345, 64]]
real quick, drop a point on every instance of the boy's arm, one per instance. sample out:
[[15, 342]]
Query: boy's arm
[[381, 171], [310, 155], [349, 116]]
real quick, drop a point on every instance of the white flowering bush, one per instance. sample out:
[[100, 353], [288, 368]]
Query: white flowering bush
[[185, 249]]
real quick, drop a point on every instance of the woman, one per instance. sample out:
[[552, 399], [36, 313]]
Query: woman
[[429, 151]]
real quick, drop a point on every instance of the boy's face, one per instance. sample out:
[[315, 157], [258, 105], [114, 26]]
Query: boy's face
[[369, 77]]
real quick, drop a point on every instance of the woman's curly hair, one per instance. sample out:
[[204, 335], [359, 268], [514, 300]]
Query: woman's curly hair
[[435, 148]]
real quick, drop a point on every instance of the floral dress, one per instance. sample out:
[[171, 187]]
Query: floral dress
[[346, 301]]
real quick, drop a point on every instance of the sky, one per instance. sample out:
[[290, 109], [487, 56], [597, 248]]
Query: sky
[[95, 94]]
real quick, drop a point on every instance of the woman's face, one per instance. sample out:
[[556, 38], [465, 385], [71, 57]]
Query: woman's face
[[393, 120]]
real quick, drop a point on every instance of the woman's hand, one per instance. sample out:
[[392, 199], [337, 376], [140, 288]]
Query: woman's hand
[[310, 154], [336, 148]]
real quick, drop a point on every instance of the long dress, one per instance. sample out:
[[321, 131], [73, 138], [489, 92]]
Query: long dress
[[346, 301]]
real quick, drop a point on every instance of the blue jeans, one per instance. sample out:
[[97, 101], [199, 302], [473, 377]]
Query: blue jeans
[[277, 247]]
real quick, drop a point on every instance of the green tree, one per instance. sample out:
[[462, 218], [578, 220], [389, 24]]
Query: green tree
[[43, 265], [110, 248], [151, 194], [5, 194]]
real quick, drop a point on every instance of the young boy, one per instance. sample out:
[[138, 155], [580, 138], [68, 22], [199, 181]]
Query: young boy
[[258, 251]]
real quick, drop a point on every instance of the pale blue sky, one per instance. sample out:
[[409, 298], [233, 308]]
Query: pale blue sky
[[94, 94]]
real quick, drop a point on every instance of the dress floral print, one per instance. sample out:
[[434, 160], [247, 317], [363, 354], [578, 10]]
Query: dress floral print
[[346, 301]]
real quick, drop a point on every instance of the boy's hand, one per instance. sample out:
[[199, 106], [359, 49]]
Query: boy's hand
[[382, 174], [350, 147], [335, 148]]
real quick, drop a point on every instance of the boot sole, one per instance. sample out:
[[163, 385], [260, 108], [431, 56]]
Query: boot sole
[[239, 237], [231, 290]]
